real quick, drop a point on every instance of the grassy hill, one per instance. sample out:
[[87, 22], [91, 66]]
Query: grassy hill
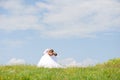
[[107, 71]]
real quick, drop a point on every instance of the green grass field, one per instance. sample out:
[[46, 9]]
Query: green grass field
[[107, 71]]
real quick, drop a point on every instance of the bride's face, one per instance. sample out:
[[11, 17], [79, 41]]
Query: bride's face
[[51, 52]]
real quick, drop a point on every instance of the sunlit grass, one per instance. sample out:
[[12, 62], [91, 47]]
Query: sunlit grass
[[106, 71]]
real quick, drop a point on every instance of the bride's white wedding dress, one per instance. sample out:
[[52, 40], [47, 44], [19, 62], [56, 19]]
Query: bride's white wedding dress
[[48, 62]]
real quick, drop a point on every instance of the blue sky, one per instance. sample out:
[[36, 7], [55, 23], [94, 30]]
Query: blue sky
[[78, 30]]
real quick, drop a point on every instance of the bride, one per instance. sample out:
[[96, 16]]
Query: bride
[[48, 60]]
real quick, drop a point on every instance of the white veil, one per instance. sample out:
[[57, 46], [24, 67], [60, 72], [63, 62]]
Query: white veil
[[46, 50]]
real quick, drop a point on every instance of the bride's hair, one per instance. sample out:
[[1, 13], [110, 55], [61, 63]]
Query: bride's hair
[[51, 51]]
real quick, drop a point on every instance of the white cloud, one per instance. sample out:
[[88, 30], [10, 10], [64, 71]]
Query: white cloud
[[64, 18], [19, 16], [15, 61], [70, 62], [83, 18]]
